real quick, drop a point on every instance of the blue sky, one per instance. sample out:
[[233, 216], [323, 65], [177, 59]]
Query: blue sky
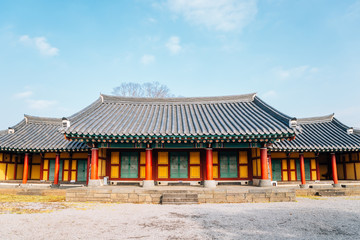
[[302, 57]]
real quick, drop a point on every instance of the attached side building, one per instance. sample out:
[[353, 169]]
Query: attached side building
[[320, 141], [39, 141]]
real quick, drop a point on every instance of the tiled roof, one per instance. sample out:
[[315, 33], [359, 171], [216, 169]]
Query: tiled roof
[[38, 134], [242, 115], [320, 134]]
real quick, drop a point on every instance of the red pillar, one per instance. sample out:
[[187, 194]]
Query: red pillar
[[148, 166], [264, 164], [302, 169], [270, 166], [26, 168], [334, 168], [94, 164], [209, 164], [88, 169], [57, 168]]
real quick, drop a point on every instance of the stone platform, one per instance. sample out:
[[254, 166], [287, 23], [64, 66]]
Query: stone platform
[[224, 194]]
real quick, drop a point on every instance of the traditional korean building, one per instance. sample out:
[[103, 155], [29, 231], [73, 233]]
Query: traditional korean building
[[197, 141], [324, 149], [31, 149], [188, 140]]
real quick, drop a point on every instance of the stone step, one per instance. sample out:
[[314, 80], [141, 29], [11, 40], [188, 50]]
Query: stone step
[[180, 203], [179, 198]]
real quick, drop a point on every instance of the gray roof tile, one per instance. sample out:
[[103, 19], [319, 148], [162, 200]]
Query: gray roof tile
[[38, 134], [203, 116], [320, 134]]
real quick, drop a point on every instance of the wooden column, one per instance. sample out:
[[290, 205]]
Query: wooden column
[[26, 167], [270, 166], [57, 168], [264, 164], [302, 169], [148, 166], [88, 168], [334, 168], [209, 164], [94, 164]]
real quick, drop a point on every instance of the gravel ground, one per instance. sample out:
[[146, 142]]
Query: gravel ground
[[309, 218]]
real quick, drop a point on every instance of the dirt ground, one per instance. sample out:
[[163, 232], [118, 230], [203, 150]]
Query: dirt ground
[[308, 218]]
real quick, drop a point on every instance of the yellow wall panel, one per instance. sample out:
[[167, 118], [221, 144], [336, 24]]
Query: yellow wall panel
[[293, 176], [142, 158], [340, 171], [35, 172], [19, 171], [162, 172], [66, 176], [73, 176], [284, 164], [114, 158], [2, 171], [46, 164], [292, 164], [323, 171], [278, 155], [66, 164], [350, 171], [1, 157], [215, 157], [357, 170], [99, 167], [258, 165], [254, 168], [45, 175], [142, 171], [103, 168], [194, 171], [313, 164], [347, 159], [163, 158], [114, 172], [243, 158], [10, 172], [313, 175], [243, 172], [215, 172], [73, 165], [194, 157], [284, 176]]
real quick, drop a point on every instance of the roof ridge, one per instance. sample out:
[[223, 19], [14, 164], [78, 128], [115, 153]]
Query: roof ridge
[[44, 120], [319, 119], [180, 100]]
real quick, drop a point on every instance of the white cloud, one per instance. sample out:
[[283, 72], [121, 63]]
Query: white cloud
[[25, 94], [40, 104], [174, 44], [295, 73], [41, 44], [222, 15], [147, 59]]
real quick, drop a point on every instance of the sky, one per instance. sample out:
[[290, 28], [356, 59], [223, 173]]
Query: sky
[[301, 57]]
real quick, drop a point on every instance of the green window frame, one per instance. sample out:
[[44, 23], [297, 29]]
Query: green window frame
[[129, 164], [228, 165], [179, 164]]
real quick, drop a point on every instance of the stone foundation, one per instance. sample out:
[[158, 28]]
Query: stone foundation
[[139, 195]]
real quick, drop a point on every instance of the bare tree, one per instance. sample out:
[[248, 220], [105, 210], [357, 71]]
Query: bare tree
[[149, 89]]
